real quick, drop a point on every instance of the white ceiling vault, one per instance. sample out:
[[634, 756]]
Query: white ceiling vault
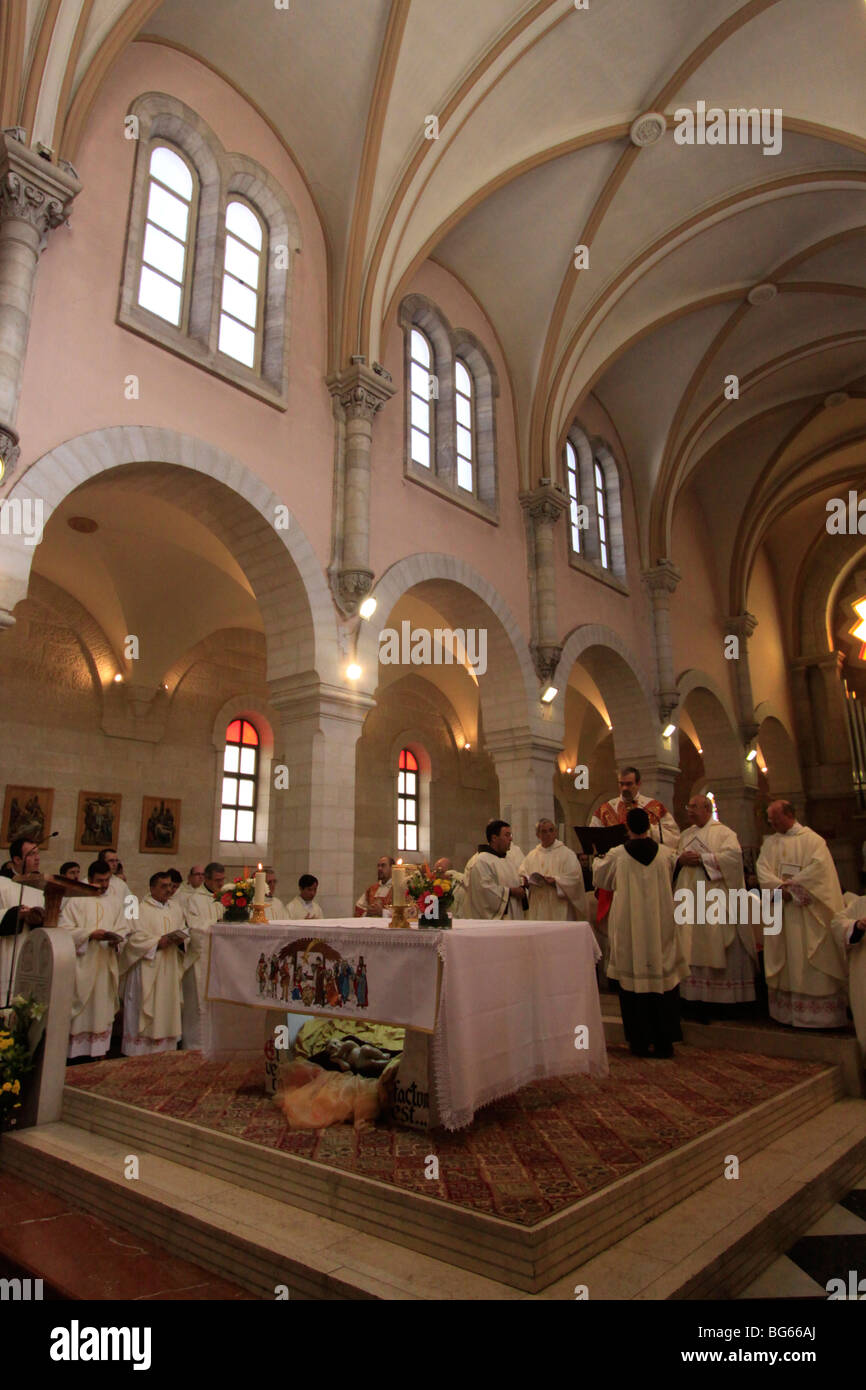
[[533, 157]]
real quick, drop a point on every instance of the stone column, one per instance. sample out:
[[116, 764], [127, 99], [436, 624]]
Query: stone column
[[526, 766], [736, 801], [314, 817], [660, 583], [741, 626], [837, 746], [35, 196], [358, 394], [543, 508]]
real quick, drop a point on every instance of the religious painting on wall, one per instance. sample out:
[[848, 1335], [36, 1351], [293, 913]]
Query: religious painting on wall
[[27, 812], [160, 825], [98, 821]]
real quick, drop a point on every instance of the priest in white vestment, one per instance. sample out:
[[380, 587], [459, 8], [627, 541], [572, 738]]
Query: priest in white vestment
[[663, 827], [555, 887], [442, 869], [721, 953], [153, 962], [194, 884], [202, 910], [494, 888], [303, 907], [646, 956], [14, 925], [849, 926], [804, 964], [118, 888], [275, 909], [98, 929]]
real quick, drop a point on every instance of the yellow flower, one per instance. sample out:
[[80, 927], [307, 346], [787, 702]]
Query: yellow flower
[[7, 1086], [16, 1087]]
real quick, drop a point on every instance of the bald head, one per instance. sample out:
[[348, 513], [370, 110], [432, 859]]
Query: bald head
[[699, 810], [442, 866]]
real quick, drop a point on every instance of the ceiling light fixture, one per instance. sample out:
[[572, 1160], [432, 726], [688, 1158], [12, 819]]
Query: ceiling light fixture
[[549, 694], [117, 678], [668, 730], [751, 755], [368, 608], [353, 670]]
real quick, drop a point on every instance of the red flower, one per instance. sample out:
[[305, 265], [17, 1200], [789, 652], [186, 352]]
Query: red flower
[[241, 902], [226, 899], [438, 891], [424, 899]]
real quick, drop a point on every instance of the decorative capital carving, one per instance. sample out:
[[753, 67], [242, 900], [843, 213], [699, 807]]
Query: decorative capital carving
[[667, 703], [33, 189], [544, 504], [662, 578], [360, 392], [741, 625], [546, 659], [350, 587], [9, 453]]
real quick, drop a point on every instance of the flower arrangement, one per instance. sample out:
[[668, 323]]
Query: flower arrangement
[[434, 897], [237, 899], [16, 1058]]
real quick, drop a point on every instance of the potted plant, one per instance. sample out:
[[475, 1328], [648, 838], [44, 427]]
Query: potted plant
[[434, 897], [237, 899]]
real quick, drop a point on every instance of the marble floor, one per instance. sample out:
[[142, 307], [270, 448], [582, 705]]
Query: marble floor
[[830, 1249]]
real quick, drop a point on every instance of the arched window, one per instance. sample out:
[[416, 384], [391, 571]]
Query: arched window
[[601, 512], [240, 313], [573, 495], [168, 225], [240, 781], [407, 800], [465, 413], [422, 381]]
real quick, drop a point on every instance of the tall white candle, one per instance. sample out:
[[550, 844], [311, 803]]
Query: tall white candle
[[260, 889]]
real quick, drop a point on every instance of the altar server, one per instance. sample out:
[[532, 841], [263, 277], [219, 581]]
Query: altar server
[[23, 859], [646, 957], [804, 964], [153, 959], [303, 907], [721, 955], [494, 890], [849, 926], [275, 910], [98, 928], [560, 897]]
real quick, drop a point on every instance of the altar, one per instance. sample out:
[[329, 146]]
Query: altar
[[488, 1006]]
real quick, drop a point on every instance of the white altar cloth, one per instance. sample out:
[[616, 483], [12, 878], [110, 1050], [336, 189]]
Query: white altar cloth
[[518, 1002]]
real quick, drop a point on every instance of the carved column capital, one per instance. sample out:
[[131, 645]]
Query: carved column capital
[[9, 453], [32, 189], [360, 392], [545, 505], [661, 579], [546, 658], [352, 586], [741, 625]]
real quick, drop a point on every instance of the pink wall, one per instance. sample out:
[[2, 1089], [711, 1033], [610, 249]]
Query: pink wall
[[78, 356]]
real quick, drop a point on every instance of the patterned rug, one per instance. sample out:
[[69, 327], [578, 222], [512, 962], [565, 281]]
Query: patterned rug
[[523, 1159]]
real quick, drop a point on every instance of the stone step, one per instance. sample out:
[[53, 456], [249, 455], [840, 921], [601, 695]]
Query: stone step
[[527, 1258], [712, 1244]]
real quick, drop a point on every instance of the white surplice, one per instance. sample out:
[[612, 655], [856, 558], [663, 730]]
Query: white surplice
[[566, 900], [489, 877], [646, 954], [804, 964], [722, 956], [9, 945], [458, 884], [843, 927], [152, 983], [275, 910], [96, 997], [299, 910]]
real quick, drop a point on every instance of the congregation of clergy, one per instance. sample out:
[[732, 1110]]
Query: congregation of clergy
[[658, 960]]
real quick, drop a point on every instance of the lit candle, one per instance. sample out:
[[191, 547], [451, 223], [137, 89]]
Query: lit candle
[[260, 889], [398, 886]]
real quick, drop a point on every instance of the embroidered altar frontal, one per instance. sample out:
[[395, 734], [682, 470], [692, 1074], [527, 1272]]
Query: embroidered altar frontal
[[329, 970]]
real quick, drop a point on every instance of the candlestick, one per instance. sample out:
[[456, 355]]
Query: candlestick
[[260, 886], [398, 886]]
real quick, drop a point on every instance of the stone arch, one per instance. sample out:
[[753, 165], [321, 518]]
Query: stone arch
[[819, 585], [625, 689], [280, 565], [713, 718], [780, 750], [508, 689]]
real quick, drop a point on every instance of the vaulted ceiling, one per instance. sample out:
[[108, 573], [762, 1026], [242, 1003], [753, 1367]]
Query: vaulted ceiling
[[531, 158]]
